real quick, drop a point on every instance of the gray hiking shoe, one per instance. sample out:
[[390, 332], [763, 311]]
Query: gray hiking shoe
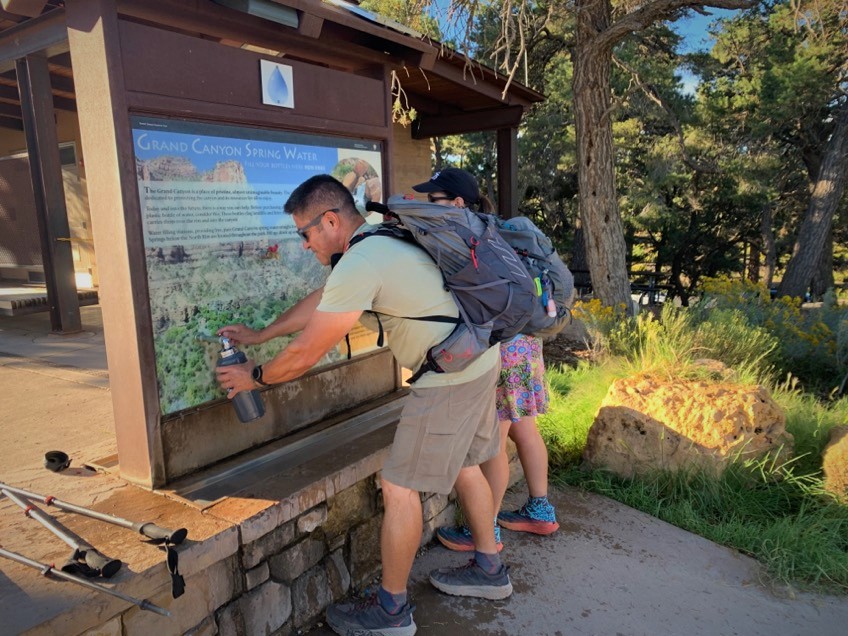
[[472, 580], [368, 618]]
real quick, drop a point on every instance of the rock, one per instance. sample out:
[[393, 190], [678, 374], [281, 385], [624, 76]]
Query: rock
[[715, 369], [645, 424], [835, 462]]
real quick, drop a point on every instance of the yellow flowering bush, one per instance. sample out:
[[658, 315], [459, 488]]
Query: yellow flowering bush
[[735, 321], [606, 325], [812, 341]]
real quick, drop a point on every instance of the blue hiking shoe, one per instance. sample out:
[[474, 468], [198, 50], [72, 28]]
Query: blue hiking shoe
[[537, 516], [459, 538], [368, 618], [472, 580]]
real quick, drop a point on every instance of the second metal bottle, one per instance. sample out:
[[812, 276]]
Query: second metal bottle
[[248, 404]]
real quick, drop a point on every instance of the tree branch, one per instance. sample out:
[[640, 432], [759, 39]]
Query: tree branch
[[652, 94], [651, 12]]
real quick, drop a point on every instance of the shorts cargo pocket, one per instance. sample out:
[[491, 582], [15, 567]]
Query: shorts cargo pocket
[[437, 448]]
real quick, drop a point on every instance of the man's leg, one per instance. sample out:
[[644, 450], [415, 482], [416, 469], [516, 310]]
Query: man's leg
[[390, 614], [484, 576], [475, 495], [400, 535]]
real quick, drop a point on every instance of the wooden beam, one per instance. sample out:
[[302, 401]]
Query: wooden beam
[[59, 103], [47, 184], [338, 46], [11, 123], [11, 17], [329, 13], [57, 82], [11, 110], [227, 24], [491, 119], [44, 33], [309, 25]]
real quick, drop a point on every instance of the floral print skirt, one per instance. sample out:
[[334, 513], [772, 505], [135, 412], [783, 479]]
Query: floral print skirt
[[521, 390]]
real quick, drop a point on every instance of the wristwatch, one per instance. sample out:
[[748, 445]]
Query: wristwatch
[[257, 376]]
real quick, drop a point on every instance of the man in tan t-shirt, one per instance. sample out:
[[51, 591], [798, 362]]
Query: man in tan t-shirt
[[448, 425]]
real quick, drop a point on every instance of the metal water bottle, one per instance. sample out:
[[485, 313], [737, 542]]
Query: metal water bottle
[[548, 295], [248, 404]]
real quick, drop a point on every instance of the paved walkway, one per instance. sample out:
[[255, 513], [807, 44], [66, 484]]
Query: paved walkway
[[613, 570]]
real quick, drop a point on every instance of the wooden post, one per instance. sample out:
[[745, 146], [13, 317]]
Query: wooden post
[[106, 136], [508, 172], [48, 189]]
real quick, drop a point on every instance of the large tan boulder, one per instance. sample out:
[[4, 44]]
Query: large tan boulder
[[646, 423], [835, 462]]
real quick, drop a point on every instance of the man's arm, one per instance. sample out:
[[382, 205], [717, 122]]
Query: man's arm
[[323, 331], [290, 321]]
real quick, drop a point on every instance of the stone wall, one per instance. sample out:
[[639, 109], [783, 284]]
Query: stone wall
[[280, 574], [282, 581]]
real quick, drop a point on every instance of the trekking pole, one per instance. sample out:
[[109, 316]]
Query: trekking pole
[[156, 534], [95, 564], [149, 530], [49, 570]]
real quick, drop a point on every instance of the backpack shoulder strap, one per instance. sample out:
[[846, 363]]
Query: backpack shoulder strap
[[385, 229], [393, 231]]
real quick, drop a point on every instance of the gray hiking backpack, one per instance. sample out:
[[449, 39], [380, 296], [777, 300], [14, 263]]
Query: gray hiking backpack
[[495, 294], [554, 281]]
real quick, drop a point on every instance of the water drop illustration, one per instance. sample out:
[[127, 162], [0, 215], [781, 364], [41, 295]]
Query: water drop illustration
[[278, 90]]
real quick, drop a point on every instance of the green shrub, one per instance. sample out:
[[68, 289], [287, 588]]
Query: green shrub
[[812, 341], [777, 513]]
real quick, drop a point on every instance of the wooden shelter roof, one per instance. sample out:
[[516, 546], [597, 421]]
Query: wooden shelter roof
[[451, 93]]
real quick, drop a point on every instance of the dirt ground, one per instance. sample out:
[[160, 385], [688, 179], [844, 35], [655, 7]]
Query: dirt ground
[[565, 350]]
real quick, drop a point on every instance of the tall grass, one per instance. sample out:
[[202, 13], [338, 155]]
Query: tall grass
[[777, 513], [575, 396]]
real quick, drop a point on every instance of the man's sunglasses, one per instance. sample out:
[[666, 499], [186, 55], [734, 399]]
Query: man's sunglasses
[[433, 199], [302, 232]]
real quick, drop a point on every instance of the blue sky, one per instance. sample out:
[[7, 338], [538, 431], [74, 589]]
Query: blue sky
[[694, 30]]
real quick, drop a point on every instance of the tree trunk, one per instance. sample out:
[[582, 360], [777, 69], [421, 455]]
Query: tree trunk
[[817, 222], [769, 247], [599, 212], [754, 254], [823, 278]]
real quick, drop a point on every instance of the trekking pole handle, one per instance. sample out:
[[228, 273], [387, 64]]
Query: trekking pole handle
[[104, 565], [159, 534]]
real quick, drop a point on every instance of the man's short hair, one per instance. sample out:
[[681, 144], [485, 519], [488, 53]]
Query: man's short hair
[[322, 191]]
